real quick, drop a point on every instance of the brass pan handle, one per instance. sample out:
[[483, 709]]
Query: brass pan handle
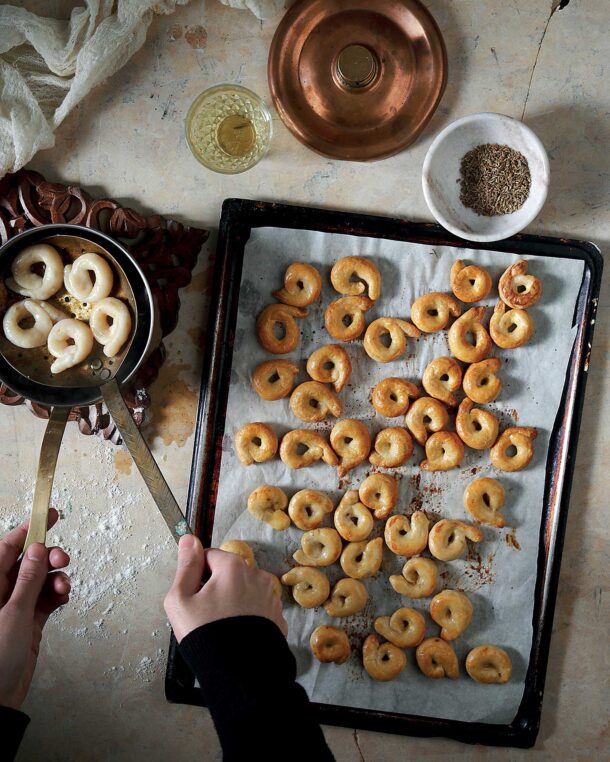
[[49, 451]]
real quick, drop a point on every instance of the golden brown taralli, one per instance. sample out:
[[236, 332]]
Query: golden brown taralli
[[330, 644], [391, 396], [426, 415], [431, 312], [284, 316], [255, 443], [379, 492], [476, 427], [518, 289], [444, 451], [312, 402], [392, 448], [330, 364], [344, 318], [351, 275], [397, 330], [484, 499], [470, 325], [316, 448], [470, 283], [351, 441], [522, 439], [481, 383], [302, 285], [274, 379], [511, 329], [441, 378]]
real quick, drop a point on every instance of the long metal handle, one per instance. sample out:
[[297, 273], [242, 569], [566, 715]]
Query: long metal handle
[[138, 449], [51, 442]]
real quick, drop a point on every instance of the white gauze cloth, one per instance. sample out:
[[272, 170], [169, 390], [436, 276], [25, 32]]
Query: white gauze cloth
[[48, 65]]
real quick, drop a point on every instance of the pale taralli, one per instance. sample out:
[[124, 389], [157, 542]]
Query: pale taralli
[[113, 335], [78, 282], [28, 283], [68, 355], [27, 338]]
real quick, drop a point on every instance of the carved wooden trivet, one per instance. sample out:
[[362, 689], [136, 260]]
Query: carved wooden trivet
[[165, 250]]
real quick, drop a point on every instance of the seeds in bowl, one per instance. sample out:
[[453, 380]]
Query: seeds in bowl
[[495, 179]]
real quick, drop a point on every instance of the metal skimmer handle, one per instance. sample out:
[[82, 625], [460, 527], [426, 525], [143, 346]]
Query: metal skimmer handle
[[138, 449]]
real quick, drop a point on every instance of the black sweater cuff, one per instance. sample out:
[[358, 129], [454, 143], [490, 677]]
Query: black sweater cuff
[[247, 674], [12, 727]]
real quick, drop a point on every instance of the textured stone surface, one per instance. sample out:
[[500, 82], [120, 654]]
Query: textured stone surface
[[98, 694]]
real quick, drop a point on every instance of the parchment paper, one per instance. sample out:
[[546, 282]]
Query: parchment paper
[[499, 574]]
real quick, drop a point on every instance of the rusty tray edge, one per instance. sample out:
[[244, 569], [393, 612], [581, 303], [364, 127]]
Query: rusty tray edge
[[238, 218]]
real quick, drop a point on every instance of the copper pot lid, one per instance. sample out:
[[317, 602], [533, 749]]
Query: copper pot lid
[[357, 80]]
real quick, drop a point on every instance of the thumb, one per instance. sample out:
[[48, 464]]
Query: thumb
[[31, 578], [191, 564]]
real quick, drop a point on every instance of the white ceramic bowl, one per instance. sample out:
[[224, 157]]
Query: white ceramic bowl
[[441, 174]]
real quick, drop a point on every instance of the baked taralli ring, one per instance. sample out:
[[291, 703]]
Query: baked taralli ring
[[319, 547], [484, 499], [268, 504], [344, 318], [362, 559], [350, 274], [330, 364], [312, 402], [476, 427], [522, 439], [444, 451], [470, 325], [302, 285], [437, 659], [407, 536], [419, 578], [379, 492], [426, 415], [393, 447], [242, 549], [317, 448], [310, 587], [308, 507], [283, 315], [348, 597], [442, 377], [392, 396], [469, 283], [511, 329], [274, 379], [351, 441], [518, 289], [431, 312], [447, 538], [481, 384], [452, 611], [404, 629], [353, 520], [383, 661], [489, 664], [397, 330], [255, 443], [330, 644]]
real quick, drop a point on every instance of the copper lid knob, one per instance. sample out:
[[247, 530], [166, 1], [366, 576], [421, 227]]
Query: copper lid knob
[[355, 79], [356, 66]]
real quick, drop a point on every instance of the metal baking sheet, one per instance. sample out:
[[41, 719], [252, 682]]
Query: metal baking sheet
[[378, 714]]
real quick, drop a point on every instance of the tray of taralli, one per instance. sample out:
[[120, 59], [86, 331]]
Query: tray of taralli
[[387, 426]]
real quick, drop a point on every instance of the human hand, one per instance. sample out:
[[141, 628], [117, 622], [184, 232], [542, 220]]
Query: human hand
[[233, 589], [29, 593]]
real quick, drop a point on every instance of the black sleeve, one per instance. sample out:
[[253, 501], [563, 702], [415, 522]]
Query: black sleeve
[[247, 674], [12, 728]]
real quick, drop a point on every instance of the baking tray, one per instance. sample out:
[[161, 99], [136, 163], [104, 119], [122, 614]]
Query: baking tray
[[239, 217]]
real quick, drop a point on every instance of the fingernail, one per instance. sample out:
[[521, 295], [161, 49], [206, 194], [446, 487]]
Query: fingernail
[[186, 542], [35, 552]]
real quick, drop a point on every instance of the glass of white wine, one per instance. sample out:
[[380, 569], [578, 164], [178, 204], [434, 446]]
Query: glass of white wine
[[228, 128]]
